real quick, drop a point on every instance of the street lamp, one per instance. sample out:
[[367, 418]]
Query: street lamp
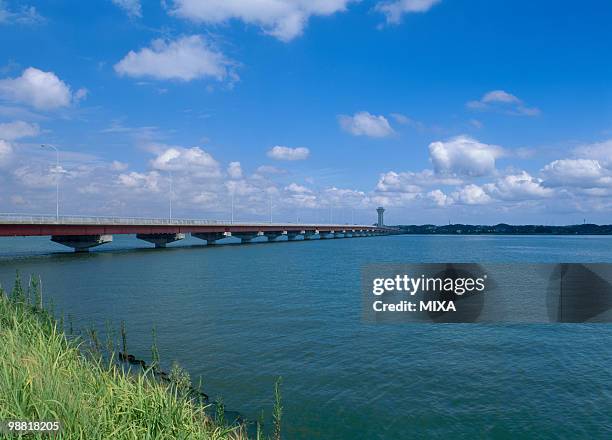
[[57, 170], [171, 193]]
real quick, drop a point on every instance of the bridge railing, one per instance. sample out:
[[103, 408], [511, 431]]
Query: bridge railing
[[102, 220], [12, 218]]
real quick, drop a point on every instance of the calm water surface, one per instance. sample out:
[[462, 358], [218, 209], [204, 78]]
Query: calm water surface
[[239, 316]]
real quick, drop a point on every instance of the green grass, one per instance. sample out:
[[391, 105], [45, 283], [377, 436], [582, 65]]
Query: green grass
[[46, 376]]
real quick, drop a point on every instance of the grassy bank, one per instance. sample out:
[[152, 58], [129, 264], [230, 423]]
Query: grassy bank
[[46, 376]]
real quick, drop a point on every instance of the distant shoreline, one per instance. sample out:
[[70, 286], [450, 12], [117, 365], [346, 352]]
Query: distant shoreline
[[506, 229]]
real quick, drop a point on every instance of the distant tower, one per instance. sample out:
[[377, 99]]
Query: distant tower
[[381, 221]]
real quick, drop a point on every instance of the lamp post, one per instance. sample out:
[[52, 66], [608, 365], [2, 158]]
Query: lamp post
[[171, 194], [57, 170]]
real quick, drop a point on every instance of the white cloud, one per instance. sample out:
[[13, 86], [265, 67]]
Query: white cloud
[[340, 197], [25, 15], [297, 189], [6, 153], [464, 156], [118, 166], [476, 123], [34, 176], [439, 198], [80, 94], [405, 120], [131, 7], [395, 9], [519, 187], [601, 151], [365, 124], [398, 182], [283, 19], [504, 102], [11, 131], [242, 188], [300, 196], [41, 90], [140, 181], [412, 182], [269, 169], [500, 96], [581, 173], [286, 153], [184, 59], [471, 195], [193, 160], [401, 119], [234, 170]]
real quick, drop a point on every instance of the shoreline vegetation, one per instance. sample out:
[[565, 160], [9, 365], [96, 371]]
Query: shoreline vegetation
[[48, 374], [506, 229]]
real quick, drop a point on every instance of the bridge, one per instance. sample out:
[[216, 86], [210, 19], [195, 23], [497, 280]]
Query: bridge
[[83, 233]]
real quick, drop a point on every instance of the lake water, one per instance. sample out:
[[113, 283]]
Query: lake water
[[239, 316]]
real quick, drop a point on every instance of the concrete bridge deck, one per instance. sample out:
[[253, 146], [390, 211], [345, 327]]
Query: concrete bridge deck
[[82, 233]]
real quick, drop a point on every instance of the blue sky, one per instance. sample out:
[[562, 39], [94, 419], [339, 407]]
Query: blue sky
[[468, 111]]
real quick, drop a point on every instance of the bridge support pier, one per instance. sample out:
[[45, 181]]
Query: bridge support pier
[[247, 237], [81, 243], [293, 235], [211, 237], [160, 240], [327, 234], [310, 235], [273, 236]]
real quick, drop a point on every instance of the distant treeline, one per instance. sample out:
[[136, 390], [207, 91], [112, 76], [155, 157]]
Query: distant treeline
[[502, 228]]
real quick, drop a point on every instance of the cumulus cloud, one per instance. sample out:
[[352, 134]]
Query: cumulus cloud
[[394, 10], [35, 176], [343, 197], [193, 160], [365, 124], [286, 153], [297, 189], [242, 188], [131, 7], [581, 173], [601, 151], [504, 102], [464, 156], [39, 89], [300, 196], [439, 198], [518, 187], [234, 170], [184, 59], [11, 131], [140, 181], [471, 195], [283, 19], [410, 181]]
